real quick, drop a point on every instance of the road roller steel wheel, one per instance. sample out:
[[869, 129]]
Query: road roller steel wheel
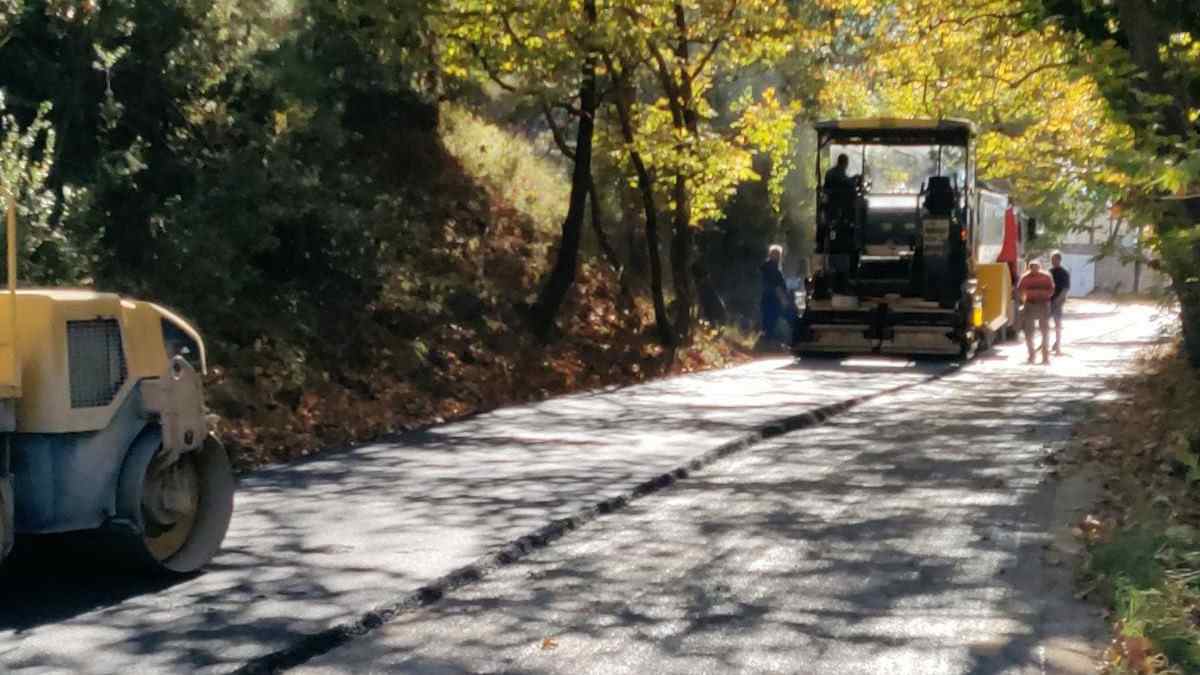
[[183, 506], [170, 504]]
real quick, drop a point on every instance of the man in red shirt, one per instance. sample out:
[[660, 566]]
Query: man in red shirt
[[1036, 289]]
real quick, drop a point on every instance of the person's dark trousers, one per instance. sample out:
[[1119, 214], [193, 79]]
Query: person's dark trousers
[[792, 315], [770, 315]]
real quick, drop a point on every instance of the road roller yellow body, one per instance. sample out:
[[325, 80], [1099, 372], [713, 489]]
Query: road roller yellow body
[[104, 428]]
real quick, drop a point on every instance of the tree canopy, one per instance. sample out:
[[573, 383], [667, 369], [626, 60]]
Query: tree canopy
[[284, 169]]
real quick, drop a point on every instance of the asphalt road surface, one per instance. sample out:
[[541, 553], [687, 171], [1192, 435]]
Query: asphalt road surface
[[904, 536]]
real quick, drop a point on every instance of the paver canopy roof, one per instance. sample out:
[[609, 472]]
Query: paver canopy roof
[[895, 131]]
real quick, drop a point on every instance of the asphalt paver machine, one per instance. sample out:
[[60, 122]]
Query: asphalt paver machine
[[912, 256], [103, 428]]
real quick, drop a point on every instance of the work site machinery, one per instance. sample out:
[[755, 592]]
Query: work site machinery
[[103, 428], [912, 255]]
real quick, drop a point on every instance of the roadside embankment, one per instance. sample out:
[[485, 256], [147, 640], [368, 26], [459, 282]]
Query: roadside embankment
[[1143, 537]]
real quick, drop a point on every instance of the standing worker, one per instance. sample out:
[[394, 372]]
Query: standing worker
[[1036, 289], [774, 291], [1062, 284]]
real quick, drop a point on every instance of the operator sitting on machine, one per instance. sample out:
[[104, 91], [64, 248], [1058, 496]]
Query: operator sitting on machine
[[841, 193], [840, 189]]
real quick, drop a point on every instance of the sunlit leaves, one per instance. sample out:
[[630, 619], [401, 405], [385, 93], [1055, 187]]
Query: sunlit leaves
[[25, 154], [1046, 128], [686, 49], [537, 49], [767, 125]]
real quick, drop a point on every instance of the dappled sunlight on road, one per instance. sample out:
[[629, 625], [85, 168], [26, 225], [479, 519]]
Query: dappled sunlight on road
[[321, 541], [902, 537]]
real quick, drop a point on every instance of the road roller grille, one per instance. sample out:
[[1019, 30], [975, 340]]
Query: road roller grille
[[96, 361]]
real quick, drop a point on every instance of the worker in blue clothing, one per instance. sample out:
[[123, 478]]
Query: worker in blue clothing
[[1062, 285], [775, 294]]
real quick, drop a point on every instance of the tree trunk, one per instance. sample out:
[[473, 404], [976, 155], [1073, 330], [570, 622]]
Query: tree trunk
[[679, 94], [645, 185], [681, 272], [1188, 291], [666, 334], [606, 247], [566, 262], [712, 306]]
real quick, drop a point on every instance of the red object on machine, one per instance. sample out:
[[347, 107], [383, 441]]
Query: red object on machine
[[1012, 236]]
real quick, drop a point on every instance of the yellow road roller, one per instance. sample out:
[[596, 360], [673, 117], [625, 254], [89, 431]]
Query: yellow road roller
[[105, 435]]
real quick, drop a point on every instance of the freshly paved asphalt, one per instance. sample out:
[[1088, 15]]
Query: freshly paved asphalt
[[908, 535], [902, 536]]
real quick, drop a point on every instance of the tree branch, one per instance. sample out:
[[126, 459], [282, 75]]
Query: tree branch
[[703, 62], [512, 33], [556, 131], [1013, 84], [966, 20], [492, 74]]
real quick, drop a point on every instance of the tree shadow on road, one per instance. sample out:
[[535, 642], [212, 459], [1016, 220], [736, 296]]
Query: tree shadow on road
[[904, 537], [322, 541]]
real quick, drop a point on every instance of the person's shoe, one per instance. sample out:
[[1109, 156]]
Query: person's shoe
[[1045, 360], [1031, 361]]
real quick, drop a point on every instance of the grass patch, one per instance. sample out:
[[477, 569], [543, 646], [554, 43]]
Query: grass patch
[[510, 164]]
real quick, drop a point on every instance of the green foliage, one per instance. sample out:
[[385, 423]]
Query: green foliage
[[1153, 575], [1132, 555], [46, 252], [1044, 127], [679, 129], [25, 163], [9, 11], [537, 51], [224, 157]]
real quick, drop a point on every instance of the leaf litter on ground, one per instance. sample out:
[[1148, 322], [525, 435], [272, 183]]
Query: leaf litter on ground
[[1143, 559]]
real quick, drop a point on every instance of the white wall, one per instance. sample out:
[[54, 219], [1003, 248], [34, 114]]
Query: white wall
[[1083, 273]]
